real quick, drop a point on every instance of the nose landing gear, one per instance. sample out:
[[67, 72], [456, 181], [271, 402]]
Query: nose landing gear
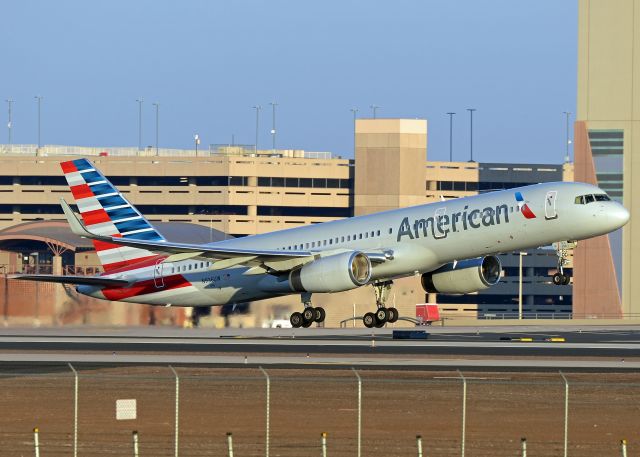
[[382, 314], [562, 250], [309, 315]]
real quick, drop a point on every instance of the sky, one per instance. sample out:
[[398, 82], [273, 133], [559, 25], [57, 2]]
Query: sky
[[207, 63]]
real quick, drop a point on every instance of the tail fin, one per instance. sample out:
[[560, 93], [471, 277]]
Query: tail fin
[[105, 211]]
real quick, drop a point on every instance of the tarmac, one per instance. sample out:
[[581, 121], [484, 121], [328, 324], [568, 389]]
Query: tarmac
[[534, 348]]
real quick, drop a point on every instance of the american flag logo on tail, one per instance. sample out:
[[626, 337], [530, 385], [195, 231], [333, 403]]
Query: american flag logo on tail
[[105, 211]]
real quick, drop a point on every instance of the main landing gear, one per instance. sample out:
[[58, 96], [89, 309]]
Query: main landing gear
[[562, 250], [309, 315], [383, 314]]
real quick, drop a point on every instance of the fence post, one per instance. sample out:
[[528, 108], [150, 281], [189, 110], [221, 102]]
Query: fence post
[[230, 444], [464, 411], [623, 447], [266, 375], [75, 412], [524, 446], [359, 411], [177, 418], [36, 441], [419, 444], [566, 413], [135, 443], [323, 441]]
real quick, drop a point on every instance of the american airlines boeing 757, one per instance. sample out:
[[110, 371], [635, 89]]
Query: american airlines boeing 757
[[452, 244]]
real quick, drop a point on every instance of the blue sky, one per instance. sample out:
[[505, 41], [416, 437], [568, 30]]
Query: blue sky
[[208, 62]]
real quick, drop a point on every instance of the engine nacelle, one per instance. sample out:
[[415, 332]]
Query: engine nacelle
[[334, 273], [468, 276]]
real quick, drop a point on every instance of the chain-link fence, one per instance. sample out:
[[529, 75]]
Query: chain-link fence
[[188, 411]]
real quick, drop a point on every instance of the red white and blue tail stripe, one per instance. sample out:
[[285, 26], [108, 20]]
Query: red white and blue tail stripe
[[105, 211]]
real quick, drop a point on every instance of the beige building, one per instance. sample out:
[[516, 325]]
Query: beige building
[[240, 191], [607, 150]]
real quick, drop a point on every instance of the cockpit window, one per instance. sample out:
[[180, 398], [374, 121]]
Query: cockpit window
[[584, 199]]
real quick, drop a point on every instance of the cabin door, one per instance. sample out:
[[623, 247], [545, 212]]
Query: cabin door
[[550, 205], [158, 280]]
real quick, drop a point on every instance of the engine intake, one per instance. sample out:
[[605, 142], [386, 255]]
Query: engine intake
[[466, 277]]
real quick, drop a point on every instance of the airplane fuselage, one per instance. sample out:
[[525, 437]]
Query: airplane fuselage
[[409, 241]]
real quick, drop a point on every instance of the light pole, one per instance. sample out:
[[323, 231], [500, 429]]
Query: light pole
[[355, 116], [196, 140], [521, 254], [140, 101], [451, 136], [39, 98], [273, 128], [567, 142], [257, 108], [9, 123], [157, 105], [374, 108], [471, 110]]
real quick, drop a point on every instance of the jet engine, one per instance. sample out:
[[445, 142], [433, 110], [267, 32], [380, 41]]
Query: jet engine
[[333, 273], [463, 277]]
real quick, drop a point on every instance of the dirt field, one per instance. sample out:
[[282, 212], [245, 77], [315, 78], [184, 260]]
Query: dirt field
[[396, 406]]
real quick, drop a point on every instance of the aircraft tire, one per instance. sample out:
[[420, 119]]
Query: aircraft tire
[[380, 324], [309, 314], [393, 315], [557, 279], [369, 320], [296, 320], [382, 315], [566, 280], [307, 324], [320, 314]]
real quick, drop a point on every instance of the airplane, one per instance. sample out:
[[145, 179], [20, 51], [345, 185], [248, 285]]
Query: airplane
[[451, 244]]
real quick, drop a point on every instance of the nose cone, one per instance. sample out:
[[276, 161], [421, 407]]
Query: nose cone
[[617, 216]]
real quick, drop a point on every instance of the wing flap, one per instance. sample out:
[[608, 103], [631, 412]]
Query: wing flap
[[78, 280]]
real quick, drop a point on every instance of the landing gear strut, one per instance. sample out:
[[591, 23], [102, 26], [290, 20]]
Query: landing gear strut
[[309, 315], [382, 314], [562, 251]]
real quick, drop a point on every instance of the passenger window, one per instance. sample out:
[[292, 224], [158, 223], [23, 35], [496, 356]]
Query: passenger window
[[588, 199]]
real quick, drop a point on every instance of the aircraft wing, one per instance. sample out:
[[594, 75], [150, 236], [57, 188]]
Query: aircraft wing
[[79, 280], [226, 257]]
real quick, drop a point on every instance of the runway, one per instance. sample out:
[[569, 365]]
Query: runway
[[508, 348]]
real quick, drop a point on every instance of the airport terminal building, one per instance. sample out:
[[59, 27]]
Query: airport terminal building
[[239, 191]]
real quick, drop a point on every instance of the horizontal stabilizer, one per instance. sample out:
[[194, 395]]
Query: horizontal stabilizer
[[78, 280]]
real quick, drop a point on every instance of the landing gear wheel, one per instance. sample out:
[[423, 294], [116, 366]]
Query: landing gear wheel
[[309, 314], [307, 324], [296, 320], [558, 279], [566, 280], [380, 324], [320, 314], [393, 315], [382, 315], [369, 320]]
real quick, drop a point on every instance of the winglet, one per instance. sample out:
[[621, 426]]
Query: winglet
[[77, 227]]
